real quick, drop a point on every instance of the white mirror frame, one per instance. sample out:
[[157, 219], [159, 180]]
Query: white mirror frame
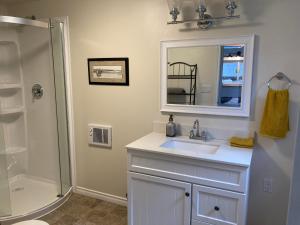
[[243, 110]]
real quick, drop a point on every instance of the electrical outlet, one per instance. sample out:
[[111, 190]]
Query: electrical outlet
[[268, 185]]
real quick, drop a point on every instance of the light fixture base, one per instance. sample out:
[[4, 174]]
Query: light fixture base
[[174, 13], [206, 22], [230, 7]]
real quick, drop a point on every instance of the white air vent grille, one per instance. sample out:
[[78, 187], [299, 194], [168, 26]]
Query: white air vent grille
[[100, 135]]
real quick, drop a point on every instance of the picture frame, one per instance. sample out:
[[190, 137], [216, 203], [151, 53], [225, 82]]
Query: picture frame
[[108, 71]]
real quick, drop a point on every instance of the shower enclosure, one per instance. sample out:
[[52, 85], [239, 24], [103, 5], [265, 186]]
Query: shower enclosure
[[34, 139]]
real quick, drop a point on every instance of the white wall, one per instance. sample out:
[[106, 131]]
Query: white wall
[[134, 28], [294, 204]]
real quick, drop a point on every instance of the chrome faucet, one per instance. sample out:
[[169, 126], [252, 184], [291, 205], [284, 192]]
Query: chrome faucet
[[196, 127], [203, 136]]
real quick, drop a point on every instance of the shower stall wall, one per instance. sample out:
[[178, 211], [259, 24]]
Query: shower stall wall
[[35, 172]]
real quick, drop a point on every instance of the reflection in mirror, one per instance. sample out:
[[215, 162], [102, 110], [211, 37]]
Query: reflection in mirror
[[232, 75], [211, 75], [207, 76]]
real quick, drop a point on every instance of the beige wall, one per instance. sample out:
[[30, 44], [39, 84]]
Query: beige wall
[[133, 28]]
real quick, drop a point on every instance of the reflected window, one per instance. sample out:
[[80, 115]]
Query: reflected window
[[233, 65], [232, 71], [232, 75]]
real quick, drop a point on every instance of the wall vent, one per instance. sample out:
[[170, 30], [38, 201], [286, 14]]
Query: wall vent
[[100, 135]]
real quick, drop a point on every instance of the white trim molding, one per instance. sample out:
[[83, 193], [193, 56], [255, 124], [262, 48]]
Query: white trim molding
[[243, 110], [100, 195]]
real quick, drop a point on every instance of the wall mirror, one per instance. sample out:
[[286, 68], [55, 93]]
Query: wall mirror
[[207, 76]]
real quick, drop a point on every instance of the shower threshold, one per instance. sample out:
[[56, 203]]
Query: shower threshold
[[29, 193], [32, 198]]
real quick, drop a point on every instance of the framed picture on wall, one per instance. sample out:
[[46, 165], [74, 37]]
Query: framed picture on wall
[[108, 71]]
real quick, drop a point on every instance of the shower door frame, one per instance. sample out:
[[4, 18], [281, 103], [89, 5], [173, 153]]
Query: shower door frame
[[23, 21], [69, 96], [70, 115]]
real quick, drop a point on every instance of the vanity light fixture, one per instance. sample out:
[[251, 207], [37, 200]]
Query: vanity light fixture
[[205, 20], [175, 7]]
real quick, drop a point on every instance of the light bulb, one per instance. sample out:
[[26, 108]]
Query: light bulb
[[198, 3], [174, 4]]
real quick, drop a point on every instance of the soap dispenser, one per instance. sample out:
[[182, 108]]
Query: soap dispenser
[[171, 128]]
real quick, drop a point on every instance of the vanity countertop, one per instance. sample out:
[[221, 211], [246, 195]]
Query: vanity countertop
[[225, 153]]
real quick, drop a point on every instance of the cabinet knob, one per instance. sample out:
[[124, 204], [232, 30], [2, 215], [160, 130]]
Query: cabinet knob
[[217, 208], [187, 194]]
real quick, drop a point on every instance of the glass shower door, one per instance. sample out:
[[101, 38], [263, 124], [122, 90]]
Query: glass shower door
[[57, 40], [5, 204]]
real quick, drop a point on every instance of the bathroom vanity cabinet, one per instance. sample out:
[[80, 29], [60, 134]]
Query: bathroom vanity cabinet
[[166, 186]]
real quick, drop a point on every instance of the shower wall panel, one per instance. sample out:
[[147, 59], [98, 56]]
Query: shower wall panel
[[12, 120], [41, 113]]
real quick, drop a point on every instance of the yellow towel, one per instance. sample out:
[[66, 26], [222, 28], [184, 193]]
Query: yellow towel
[[275, 121], [242, 142]]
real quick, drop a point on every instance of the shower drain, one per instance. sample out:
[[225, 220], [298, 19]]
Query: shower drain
[[18, 189]]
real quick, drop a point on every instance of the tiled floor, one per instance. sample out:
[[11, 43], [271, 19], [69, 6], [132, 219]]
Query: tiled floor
[[81, 210]]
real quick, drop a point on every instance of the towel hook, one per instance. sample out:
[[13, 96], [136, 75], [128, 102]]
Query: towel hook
[[280, 76]]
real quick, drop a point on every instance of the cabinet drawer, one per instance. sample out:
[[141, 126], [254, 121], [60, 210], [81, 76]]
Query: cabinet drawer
[[215, 206], [191, 170]]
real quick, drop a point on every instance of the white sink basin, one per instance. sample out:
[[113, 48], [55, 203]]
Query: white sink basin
[[189, 146]]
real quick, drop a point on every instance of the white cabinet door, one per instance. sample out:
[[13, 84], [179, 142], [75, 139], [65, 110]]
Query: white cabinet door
[[158, 201]]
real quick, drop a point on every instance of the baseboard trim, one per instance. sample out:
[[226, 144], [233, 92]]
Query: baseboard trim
[[100, 195]]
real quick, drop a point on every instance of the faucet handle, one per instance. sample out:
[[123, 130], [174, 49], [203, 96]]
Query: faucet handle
[[196, 124], [204, 135], [192, 133]]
